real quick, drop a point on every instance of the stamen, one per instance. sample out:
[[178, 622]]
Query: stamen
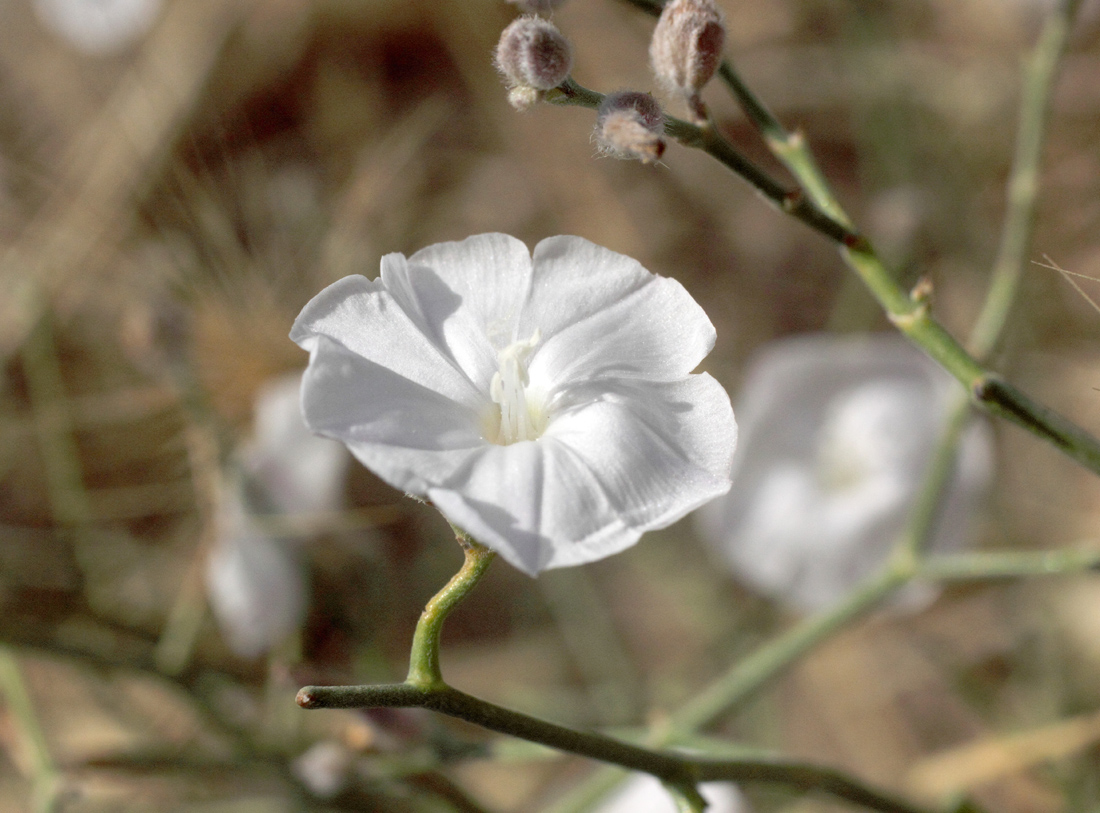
[[508, 389]]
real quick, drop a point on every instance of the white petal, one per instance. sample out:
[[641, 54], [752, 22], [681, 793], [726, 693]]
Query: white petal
[[255, 584], [610, 467], [98, 26], [660, 449], [465, 296], [363, 317], [297, 471], [536, 504], [643, 793], [603, 315], [408, 434]]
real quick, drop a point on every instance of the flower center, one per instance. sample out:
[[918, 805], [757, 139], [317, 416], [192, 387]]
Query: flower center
[[521, 416]]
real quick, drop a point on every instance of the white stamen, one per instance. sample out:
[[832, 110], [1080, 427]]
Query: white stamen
[[508, 389]]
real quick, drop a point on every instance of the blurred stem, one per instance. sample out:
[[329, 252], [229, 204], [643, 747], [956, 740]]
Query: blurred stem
[[594, 644], [909, 314], [963, 567], [920, 529], [772, 658], [54, 427], [185, 618], [44, 774], [1023, 186], [424, 672]]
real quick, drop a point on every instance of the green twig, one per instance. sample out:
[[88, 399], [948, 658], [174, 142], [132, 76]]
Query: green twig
[[910, 314], [963, 567], [671, 768], [1039, 74]]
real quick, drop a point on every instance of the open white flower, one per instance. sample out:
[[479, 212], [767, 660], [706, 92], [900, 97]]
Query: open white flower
[[544, 404], [836, 436]]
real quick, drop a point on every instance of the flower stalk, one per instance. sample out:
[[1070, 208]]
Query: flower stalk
[[424, 671]]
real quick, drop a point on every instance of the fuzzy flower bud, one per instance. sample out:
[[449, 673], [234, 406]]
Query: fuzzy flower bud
[[687, 47], [532, 55], [630, 124]]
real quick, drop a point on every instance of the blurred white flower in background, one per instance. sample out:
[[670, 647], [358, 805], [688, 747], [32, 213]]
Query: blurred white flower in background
[[98, 27], [643, 793], [837, 433], [544, 404], [255, 580]]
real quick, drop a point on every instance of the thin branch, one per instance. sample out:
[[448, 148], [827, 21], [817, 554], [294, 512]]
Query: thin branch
[[1023, 186], [910, 314], [970, 567], [670, 767]]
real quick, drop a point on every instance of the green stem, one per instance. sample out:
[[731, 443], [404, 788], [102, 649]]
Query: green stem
[[424, 669], [910, 314], [922, 517], [671, 768], [754, 672], [1023, 186], [962, 567]]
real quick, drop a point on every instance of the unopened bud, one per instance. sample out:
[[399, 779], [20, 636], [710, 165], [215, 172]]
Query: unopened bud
[[687, 47], [534, 57], [630, 124]]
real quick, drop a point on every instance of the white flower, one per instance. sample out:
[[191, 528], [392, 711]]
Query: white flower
[[295, 471], [254, 582], [98, 26], [643, 793], [836, 436], [254, 579], [543, 404]]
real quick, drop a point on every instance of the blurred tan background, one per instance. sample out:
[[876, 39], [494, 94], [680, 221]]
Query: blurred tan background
[[168, 206]]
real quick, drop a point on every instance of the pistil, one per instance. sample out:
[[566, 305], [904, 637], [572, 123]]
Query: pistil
[[509, 389]]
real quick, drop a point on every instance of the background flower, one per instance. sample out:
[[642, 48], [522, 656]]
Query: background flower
[[543, 404], [255, 580], [643, 793], [98, 26], [837, 434]]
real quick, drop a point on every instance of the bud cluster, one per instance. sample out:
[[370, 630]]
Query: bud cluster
[[686, 49], [630, 124], [533, 57]]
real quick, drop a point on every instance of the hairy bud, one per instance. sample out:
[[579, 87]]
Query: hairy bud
[[630, 124], [687, 47], [533, 57]]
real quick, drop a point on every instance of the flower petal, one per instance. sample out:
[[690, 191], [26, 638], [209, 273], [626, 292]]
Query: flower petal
[[603, 315], [536, 503], [400, 429], [255, 583], [363, 317], [658, 449], [464, 296]]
